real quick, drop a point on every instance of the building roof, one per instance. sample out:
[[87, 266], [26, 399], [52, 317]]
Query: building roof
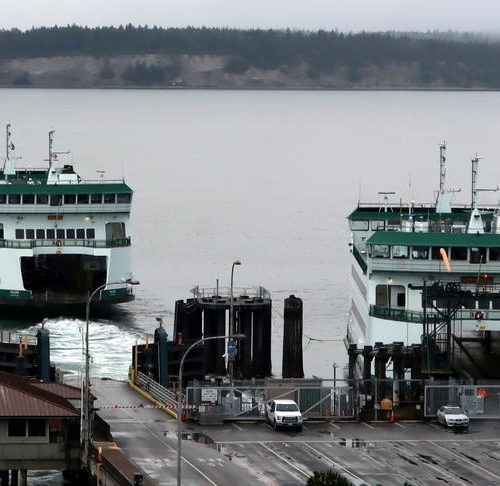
[[65, 391], [22, 396]]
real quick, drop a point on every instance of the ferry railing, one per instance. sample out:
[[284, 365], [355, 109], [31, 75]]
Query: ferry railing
[[403, 315], [93, 243]]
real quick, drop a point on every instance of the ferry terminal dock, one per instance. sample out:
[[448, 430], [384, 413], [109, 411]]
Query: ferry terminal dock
[[415, 452]]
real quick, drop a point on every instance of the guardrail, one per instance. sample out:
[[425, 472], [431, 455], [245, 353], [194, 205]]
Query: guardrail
[[158, 392]]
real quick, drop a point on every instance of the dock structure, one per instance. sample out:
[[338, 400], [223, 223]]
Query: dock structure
[[25, 356], [208, 315]]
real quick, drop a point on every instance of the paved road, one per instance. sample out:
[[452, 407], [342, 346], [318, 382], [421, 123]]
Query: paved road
[[253, 453]]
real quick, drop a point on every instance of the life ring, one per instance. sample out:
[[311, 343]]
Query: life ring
[[58, 243]]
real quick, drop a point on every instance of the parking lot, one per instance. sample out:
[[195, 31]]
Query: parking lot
[[372, 453], [375, 453]]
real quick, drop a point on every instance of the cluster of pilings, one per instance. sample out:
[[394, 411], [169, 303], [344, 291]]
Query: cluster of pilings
[[210, 316], [205, 317], [374, 362]]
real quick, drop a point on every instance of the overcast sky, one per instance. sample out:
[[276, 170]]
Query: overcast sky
[[342, 15]]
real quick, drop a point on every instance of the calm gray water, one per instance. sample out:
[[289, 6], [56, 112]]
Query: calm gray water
[[266, 177]]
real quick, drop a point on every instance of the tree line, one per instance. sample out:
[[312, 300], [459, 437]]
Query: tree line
[[467, 62]]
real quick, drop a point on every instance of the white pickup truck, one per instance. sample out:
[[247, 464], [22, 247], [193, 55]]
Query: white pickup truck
[[283, 413]]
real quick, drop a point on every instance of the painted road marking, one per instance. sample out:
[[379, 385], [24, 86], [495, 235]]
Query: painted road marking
[[336, 464], [463, 458], [290, 463]]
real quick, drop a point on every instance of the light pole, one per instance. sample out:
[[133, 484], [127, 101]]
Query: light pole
[[179, 398], [231, 322], [335, 366], [85, 414]]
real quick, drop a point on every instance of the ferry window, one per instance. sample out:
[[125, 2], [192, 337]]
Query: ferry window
[[458, 253], [51, 234], [1, 232], [40, 234], [96, 198], [379, 251], [42, 199], [420, 252], [55, 199], [28, 199], [399, 251], [69, 198], [109, 198], [495, 254], [359, 225], [14, 198], [80, 233], [30, 234], [90, 233], [3, 198], [83, 198], [477, 255], [60, 233], [377, 225], [70, 233], [393, 224], [19, 234], [390, 296], [382, 295], [115, 231], [123, 198], [436, 253], [401, 299]]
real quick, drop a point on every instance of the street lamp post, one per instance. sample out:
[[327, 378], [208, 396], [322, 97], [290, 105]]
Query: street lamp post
[[85, 407], [231, 322], [335, 366], [179, 398]]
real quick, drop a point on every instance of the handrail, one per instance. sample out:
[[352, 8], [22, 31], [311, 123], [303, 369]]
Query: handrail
[[404, 315], [224, 292]]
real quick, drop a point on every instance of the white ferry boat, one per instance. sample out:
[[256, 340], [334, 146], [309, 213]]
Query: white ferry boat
[[61, 237], [425, 274]]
